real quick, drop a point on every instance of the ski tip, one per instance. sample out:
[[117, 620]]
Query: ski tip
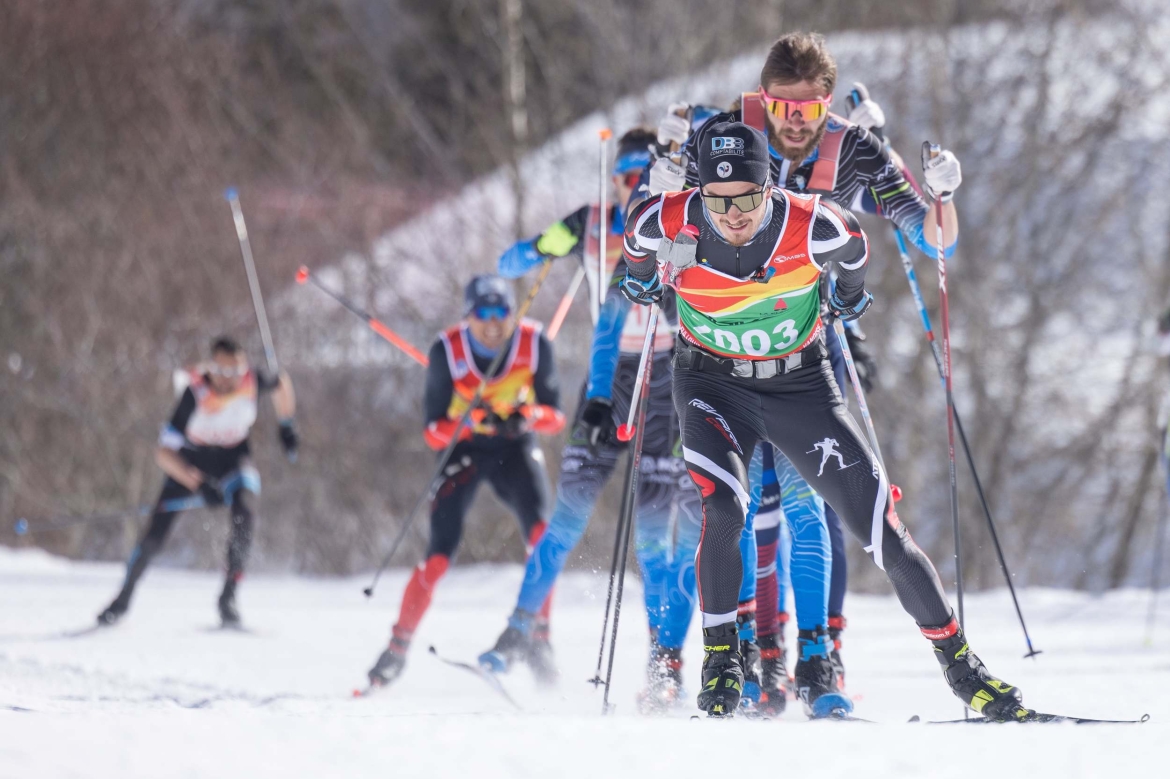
[[915, 718], [21, 526], [302, 274], [1144, 718], [431, 650], [230, 194], [626, 432]]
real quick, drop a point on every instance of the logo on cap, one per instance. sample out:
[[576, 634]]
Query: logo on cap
[[725, 144], [723, 169]]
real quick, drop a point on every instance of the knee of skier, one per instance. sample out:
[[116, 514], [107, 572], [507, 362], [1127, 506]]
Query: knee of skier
[[432, 569], [535, 534]]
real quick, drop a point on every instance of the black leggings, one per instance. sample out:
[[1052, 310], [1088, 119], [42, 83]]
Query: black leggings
[[516, 471], [161, 522], [801, 413]]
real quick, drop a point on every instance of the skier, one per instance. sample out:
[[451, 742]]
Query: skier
[[812, 150], [521, 398], [591, 454], [745, 260], [204, 452]]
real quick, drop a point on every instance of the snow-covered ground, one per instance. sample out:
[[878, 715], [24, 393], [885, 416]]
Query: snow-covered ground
[[165, 694]]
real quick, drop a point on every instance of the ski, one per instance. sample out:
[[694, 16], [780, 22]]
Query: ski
[[490, 678], [1037, 718]]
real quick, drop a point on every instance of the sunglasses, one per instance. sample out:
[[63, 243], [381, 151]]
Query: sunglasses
[[630, 180], [216, 369], [489, 313], [717, 204], [809, 110]]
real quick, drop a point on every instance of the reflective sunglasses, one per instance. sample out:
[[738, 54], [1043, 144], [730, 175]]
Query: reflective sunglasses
[[809, 110], [228, 373], [488, 313], [630, 180], [718, 204]]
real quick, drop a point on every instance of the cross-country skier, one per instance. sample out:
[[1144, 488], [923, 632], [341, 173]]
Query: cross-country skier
[[746, 261], [591, 455], [204, 452], [522, 398], [812, 150]]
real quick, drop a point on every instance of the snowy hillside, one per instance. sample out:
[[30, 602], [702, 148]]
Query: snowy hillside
[[164, 694]]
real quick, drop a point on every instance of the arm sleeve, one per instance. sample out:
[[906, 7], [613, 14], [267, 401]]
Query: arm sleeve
[[838, 241], [606, 348], [641, 239], [891, 192], [561, 239], [174, 434], [438, 390], [545, 416], [266, 382]]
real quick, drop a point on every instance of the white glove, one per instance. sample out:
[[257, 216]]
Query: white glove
[[666, 176], [868, 114], [943, 174], [674, 128]]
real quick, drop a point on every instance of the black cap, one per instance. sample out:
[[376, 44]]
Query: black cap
[[733, 151], [487, 291]]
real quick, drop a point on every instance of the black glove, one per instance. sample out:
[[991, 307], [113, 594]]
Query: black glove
[[512, 426], [211, 493], [596, 425], [289, 440], [862, 360], [847, 312], [644, 293]]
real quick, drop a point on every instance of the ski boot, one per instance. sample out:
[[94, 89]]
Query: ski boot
[[774, 681], [664, 676], [836, 627], [229, 615], [115, 610], [390, 663], [540, 656], [815, 680], [722, 671], [513, 645], [972, 683]]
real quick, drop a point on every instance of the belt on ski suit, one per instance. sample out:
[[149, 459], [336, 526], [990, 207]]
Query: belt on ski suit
[[690, 357]]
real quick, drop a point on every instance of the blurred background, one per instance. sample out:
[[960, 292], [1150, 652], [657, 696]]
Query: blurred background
[[398, 146]]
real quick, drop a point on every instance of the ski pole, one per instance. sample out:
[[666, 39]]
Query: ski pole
[[233, 198], [566, 303], [434, 482], [626, 511], [304, 275], [912, 278], [929, 152], [22, 528], [642, 399], [839, 329], [603, 198]]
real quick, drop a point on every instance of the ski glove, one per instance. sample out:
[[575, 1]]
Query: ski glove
[[673, 128], [667, 176], [847, 312], [864, 111], [289, 440], [520, 258], [512, 426], [679, 254], [862, 360], [644, 293], [211, 493], [943, 175], [596, 425], [556, 241]]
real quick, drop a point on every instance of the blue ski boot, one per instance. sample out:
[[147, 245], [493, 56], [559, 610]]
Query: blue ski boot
[[816, 682]]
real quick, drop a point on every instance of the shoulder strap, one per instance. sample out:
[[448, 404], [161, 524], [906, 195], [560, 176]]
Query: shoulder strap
[[824, 172], [672, 214]]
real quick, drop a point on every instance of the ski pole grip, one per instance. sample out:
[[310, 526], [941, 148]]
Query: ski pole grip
[[230, 194], [625, 433], [302, 274]]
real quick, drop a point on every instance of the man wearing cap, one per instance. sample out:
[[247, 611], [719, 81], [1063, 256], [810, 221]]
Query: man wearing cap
[[745, 260], [520, 399], [665, 549]]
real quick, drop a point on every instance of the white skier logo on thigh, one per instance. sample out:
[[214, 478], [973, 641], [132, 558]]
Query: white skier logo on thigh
[[828, 448]]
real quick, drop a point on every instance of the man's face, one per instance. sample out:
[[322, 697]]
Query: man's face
[[623, 186], [490, 327], [738, 226], [794, 138], [227, 371]]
